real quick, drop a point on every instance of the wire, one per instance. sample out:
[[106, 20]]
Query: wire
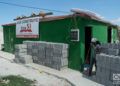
[[18, 5]]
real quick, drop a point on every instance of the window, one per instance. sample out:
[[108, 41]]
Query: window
[[75, 35]]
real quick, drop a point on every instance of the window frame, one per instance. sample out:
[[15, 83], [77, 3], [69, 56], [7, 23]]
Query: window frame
[[78, 35]]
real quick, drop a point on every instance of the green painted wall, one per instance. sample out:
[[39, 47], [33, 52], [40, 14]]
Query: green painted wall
[[55, 31], [9, 37], [100, 32], [114, 35], [59, 31]]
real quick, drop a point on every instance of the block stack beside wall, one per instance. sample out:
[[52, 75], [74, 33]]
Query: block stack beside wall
[[54, 55], [21, 55], [108, 65], [111, 49]]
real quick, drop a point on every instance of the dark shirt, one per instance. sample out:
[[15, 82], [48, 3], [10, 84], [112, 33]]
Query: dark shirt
[[98, 49]]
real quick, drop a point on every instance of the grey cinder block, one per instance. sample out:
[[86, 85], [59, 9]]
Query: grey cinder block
[[16, 60], [20, 46], [26, 59], [17, 55], [20, 50], [113, 52]]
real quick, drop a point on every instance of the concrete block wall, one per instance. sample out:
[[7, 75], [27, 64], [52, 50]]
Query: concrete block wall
[[110, 49], [108, 63], [54, 55], [21, 54]]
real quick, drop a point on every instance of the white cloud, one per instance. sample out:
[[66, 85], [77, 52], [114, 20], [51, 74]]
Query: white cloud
[[116, 21], [88, 11]]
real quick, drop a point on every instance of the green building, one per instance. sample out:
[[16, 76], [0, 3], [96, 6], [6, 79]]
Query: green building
[[75, 29]]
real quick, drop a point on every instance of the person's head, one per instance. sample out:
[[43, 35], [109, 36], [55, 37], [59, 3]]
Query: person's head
[[93, 41]]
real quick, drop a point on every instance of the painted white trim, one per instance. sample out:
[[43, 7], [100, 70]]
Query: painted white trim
[[78, 34]]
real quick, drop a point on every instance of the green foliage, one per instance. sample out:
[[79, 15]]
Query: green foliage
[[15, 81]]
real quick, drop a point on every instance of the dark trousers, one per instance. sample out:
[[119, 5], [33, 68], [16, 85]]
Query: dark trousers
[[91, 66]]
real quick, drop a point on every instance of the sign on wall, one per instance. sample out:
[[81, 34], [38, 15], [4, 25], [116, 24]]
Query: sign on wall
[[27, 28]]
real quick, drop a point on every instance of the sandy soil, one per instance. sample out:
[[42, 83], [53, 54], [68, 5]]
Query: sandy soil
[[43, 79]]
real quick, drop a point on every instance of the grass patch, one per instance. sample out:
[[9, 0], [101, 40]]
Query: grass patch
[[15, 81]]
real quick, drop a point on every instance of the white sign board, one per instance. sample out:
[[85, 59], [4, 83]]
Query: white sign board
[[27, 28]]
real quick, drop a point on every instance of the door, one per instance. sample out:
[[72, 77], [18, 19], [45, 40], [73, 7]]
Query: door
[[88, 36], [109, 34], [9, 40]]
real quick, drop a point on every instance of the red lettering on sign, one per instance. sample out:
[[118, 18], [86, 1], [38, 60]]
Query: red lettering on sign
[[28, 28]]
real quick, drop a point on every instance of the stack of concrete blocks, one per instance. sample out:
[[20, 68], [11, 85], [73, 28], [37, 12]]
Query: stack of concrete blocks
[[21, 54], [54, 55], [108, 63], [60, 55], [111, 49]]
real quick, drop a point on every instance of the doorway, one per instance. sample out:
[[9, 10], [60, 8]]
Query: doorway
[[88, 36], [109, 34]]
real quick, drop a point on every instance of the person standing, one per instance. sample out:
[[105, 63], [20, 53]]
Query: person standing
[[95, 49]]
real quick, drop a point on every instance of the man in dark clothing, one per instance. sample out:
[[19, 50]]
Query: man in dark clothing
[[95, 49]]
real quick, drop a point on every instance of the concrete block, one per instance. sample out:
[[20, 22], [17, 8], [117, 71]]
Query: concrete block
[[35, 59], [107, 74], [108, 63], [26, 59], [116, 60], [17, 55], [109, 83], [21, 50], [34, 46], [60, 46], [64, 62], [29, 51], [104, 50], [101, 60], [60, 53], [35, 51], [29, 46], [41, 55], [114, 52], [49, 52], [16, 60], [20, 46]]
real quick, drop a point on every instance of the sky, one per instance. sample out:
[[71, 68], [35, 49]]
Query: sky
[[109, 9]]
